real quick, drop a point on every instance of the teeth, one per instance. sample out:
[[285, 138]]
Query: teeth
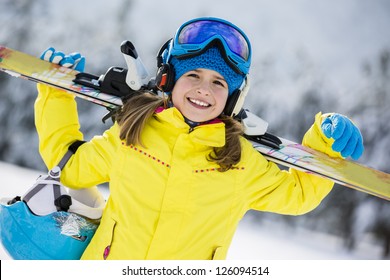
[[200, 103]]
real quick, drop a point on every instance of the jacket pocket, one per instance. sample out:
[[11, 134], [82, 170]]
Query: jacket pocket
[[109, 238], [101, 243], [219, 254]]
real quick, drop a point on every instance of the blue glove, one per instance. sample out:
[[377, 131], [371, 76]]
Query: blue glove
[[73, 60], [348, 139]]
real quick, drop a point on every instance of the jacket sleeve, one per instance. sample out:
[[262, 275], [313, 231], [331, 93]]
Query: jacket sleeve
[[57, 124], [288, 192], [315, 139]]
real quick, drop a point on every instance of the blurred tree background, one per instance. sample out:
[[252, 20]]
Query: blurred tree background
[[308, 56]]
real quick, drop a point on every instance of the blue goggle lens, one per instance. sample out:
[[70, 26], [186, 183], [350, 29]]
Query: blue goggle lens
[[194, 36], [202, 31]]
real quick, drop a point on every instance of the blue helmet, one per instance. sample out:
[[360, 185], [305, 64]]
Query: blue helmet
[[57, 236], [37, 227]]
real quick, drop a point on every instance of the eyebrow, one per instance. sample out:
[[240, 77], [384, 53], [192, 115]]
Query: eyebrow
[[218, 77]]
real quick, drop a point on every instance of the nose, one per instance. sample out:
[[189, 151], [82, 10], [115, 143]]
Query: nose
[[203, 88]]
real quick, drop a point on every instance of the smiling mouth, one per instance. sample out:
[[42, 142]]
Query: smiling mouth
[[199, 103]]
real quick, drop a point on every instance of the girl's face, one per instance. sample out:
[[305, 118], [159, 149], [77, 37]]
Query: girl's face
[[200, 95]]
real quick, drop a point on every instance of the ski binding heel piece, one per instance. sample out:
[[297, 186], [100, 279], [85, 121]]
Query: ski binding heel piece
[[119, 81], [255, 129]]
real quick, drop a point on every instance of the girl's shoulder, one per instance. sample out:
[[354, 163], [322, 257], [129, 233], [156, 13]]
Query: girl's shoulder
[[112, 134], [248, 153]]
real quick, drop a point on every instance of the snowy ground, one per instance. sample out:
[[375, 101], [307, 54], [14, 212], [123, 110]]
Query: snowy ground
[[265, 241]]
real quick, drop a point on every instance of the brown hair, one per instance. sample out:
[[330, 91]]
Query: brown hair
[[136, 111]]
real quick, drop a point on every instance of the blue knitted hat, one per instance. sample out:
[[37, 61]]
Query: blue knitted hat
[[210, 59]]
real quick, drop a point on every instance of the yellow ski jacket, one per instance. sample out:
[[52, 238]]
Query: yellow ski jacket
[[166, 200]]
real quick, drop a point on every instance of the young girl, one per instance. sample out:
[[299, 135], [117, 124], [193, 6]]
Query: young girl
[[180, 173]]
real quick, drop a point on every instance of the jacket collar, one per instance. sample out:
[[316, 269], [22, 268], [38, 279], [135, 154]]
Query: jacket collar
[[211, 133]]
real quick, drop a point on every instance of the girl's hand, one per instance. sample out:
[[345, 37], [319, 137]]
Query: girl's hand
[[74, 60], [348, 139]]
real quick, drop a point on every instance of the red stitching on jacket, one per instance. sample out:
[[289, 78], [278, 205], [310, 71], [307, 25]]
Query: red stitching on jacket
[[168, 166], [148, 155]]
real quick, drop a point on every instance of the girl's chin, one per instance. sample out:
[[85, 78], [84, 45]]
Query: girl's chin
[[197, 118], [198, 115]]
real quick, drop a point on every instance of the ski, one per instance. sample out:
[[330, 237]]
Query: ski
[[108, 89], [22, 65], [344, 172]]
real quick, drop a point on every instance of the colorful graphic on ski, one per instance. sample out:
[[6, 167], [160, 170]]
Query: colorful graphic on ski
[[22, 65], [344, 172]]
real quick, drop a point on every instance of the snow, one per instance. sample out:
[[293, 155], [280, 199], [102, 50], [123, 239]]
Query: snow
[[268, 240]]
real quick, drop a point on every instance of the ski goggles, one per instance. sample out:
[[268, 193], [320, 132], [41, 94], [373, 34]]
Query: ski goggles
[[196, 35]]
